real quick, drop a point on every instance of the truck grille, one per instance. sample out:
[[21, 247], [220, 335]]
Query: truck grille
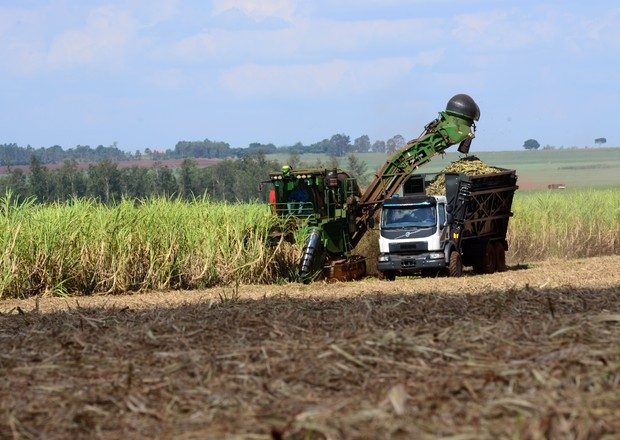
[[408, 247]]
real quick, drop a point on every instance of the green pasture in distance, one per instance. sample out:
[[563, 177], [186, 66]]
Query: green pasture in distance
[[576, 168]]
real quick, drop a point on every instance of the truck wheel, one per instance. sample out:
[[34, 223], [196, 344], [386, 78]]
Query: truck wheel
[[455, 268], [388, 275], [500, 257]]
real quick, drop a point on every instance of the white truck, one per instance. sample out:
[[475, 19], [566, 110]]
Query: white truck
[[467, 227]]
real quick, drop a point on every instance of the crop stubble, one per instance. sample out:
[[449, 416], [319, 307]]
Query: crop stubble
[[532, 353]]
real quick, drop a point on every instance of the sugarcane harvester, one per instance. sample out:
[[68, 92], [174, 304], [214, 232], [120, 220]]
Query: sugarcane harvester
[[338, 215]]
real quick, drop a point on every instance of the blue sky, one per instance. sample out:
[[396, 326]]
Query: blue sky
[[147, 73]]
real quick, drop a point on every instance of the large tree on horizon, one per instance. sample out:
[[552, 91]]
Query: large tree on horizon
[[531, 144]]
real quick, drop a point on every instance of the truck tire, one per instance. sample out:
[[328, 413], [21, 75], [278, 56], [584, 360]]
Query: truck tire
[[500, 257], [387, 275], [455, 267], [487, 263]]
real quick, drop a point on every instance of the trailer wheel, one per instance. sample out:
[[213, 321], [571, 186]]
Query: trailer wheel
[[455, 268], [491, 258], [500, 257], [488, 263]]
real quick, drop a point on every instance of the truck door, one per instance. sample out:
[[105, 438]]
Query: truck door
[[441, 222]]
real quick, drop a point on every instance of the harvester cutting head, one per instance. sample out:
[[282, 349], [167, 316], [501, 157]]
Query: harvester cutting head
[[463, 105]]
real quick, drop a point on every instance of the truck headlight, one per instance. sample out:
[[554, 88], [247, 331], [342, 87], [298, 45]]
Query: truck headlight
[[436, 255], [384, 258]]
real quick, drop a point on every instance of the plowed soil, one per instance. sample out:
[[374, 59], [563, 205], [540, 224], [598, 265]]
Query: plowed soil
[[529, 353]]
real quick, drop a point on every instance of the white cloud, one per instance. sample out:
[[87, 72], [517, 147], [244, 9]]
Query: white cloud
[[601, 30], [169, 79], [105, 38], [196, 47], [309, 38], [21, 50], [505, 30], [335, 77], [258, 9], [152, 12]]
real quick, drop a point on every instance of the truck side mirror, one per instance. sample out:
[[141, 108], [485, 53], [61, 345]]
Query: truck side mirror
[[448, 218]]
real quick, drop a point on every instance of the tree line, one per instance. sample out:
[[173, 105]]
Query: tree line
[[338, 145], [230, 180], [12, 154]]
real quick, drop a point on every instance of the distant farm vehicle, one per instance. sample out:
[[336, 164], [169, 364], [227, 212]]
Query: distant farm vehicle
[[556, 186]]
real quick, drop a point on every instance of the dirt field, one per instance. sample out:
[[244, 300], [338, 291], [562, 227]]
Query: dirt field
[[530, 353]]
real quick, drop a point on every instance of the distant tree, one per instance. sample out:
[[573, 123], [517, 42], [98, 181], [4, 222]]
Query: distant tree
[[7, 155], [361, 144], [358, 168], [165, 182], [379, 147], [318, 163], [17, 182], [294, 160], [249, 171], [206, 148], [40, 182], [400, 141], [104, 181], [600, 141], [138, 183], [395, 143], [70, 181], [220, 180], [333, 162], [237, 180], [189, 179], [531, 144], [340, 145], [298, 148], [257, 147]]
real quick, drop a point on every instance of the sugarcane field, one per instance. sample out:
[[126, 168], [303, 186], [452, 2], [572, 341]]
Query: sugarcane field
[[186, 253]]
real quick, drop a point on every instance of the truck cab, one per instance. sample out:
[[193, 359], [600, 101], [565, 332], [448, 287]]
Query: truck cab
[[413, 234]]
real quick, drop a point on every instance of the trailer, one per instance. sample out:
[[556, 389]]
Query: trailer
[[466, 227]]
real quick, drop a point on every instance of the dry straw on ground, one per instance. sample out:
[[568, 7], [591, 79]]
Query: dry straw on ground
[[530, 354]]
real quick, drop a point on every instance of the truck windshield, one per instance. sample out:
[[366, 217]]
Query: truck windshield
[[422, 216]]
